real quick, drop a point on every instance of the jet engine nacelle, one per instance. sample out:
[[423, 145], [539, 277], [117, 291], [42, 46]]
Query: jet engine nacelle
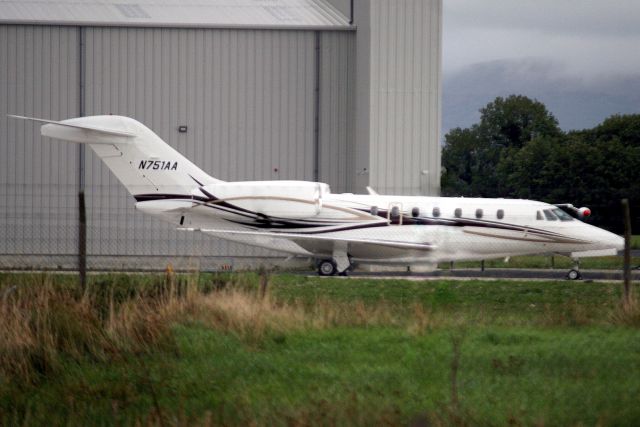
[[278, 199], [584, 212]]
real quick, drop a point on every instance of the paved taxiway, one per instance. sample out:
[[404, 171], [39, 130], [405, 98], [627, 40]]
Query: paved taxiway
[[496, 273]]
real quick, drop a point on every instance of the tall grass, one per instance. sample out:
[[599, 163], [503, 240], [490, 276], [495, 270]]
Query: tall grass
[[48, 323], [45, 324]]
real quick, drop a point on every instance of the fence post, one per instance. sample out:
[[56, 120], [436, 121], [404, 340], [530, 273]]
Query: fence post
[[627, 251], [82, 241], [263, 272]]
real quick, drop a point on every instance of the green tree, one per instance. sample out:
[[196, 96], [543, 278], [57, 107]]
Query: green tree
[[595, 168], [471, 156], [518, 150], [513, 121], [460, 161], [626, 128]]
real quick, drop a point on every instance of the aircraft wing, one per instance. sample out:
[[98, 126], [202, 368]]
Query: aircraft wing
[[303, 238]]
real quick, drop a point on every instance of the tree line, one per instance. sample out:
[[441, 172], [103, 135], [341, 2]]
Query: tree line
[[517, 150]]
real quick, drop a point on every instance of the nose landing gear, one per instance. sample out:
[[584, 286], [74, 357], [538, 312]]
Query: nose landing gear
[[574, 273]]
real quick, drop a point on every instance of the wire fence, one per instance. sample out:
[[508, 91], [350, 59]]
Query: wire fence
[[40, 229]]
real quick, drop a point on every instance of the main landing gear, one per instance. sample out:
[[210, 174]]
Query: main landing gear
[[328, 267], [339, 264]]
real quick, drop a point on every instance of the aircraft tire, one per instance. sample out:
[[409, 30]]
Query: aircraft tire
[[327, 267], [574, 274]]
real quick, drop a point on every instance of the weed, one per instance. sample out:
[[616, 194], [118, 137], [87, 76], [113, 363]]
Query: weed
[[570, 313], [628, 314]]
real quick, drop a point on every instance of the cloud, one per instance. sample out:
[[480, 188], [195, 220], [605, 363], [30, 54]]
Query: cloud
[[589, 37], [581, 17], [577, 103]]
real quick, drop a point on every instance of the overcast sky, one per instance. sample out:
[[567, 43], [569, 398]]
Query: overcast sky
[[583, 37]]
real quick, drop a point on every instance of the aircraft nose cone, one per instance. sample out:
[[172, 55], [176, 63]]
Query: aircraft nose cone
[[612, 240], [604, 239], [618, 242]]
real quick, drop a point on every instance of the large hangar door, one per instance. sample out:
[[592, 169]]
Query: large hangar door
[[39, 67], [337, 84], [246, 97]]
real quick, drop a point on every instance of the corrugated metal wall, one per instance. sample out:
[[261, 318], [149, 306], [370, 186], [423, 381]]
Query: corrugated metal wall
[[337, 110], [405, 56], [247, 97], [38, 179]]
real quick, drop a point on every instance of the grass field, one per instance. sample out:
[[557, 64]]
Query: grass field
[[559, 262], [211, 350], [541, 261]]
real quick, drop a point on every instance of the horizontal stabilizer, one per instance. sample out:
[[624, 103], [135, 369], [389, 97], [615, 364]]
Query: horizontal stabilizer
[[99, 130], [310, 237]]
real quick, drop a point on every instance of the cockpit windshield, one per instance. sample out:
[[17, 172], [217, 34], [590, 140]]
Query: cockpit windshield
[[549, 215], [562, 215]]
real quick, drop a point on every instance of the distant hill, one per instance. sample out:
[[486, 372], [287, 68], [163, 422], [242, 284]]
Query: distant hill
[[577, 103]]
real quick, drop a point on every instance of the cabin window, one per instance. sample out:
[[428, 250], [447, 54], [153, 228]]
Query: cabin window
[[562, 215], [415, 212], [549, 215], [374, 210], [436, 212], [395, 212], [478, 213], [457, 213], [539, 216], [500, 214]]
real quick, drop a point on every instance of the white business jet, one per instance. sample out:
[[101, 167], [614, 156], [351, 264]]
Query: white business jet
[[337, 230]]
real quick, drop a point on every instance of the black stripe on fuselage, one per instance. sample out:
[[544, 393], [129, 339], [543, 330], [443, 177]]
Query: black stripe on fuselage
[[167, 196], [274, 224], [280, 226], [197, 182]]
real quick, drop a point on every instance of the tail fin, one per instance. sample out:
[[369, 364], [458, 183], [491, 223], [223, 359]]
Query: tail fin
[[143, 162]]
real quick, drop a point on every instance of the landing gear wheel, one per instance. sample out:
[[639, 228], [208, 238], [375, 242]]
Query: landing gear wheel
[[574, 274], [327, 267]]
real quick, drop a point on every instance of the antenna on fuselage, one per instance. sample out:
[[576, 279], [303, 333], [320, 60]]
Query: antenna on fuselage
[[371, 191]]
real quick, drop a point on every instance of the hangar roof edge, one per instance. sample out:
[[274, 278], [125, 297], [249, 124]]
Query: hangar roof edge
[[249, 14]]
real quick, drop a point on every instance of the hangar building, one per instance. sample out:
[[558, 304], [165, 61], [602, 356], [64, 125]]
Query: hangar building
[[342, 91]]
